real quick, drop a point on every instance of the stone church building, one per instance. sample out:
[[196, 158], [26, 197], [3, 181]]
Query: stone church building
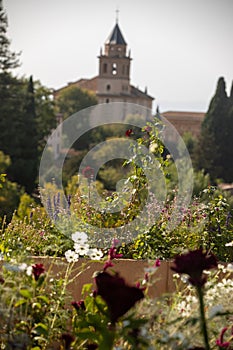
[[112, 84]]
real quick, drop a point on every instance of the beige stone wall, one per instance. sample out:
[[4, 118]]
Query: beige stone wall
[[112, 86], [114, 98], [185, 121]]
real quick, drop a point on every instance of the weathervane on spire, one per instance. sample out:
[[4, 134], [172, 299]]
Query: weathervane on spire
[[117, 14]]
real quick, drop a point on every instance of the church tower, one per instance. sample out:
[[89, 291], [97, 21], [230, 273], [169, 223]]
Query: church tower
[[114, 69], [112, 84]]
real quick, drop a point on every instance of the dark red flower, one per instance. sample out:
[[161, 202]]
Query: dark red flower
[[88, 172], [68, 339], [193, 264], [79, 305], [91, 346], [157, 263], [2, 280], [37, 270], [117, 294], [128, 132]]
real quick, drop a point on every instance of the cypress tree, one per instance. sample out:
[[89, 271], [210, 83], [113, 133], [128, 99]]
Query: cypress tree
[[8, 59], [215, 150], [228, 142], [25, 153]]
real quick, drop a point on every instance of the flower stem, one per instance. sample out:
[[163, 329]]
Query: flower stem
[[202, 317]]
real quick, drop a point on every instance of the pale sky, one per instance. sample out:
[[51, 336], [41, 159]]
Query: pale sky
[[179, 47]]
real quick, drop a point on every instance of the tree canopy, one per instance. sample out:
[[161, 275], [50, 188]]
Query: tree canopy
[[215, 149], [73, 99], [8, 59]]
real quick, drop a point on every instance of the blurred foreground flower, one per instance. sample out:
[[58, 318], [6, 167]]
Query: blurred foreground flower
[[37, 270], [117, 294], [193, 264]]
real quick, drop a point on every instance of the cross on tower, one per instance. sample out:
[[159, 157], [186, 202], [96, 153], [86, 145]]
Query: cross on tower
[[117, 15]]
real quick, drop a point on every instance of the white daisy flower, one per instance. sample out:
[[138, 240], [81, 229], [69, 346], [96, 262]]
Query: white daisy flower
[[22, 267], [95, 254], [81, 249], [79, 237], [71, 256], [29, 271], [229, 268]]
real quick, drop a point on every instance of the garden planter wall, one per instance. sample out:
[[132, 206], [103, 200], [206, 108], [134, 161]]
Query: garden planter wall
[[131, 270]]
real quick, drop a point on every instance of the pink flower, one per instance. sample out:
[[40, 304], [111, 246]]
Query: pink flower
[[146, 277], [157, 263], [107, 264], [112, 254], [88, 172], [138, 285], [220, 342]]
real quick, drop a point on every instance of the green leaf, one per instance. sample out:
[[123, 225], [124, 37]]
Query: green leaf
[[25, 293], [36, 306], [20, 302], [41, 328], [44, 298], [87, 288]]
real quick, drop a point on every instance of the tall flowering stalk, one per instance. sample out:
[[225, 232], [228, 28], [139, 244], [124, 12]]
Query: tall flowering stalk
[[193, 264], [88, 173]]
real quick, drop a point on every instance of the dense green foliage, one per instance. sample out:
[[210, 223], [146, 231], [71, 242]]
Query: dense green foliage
[[27, 116], [8, 59], [215, 149]]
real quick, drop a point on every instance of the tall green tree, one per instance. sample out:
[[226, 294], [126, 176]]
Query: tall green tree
[[24, 155], [9, 191], [26, 115], [228, 150], [8, 59], [214, 152], [45, 113]]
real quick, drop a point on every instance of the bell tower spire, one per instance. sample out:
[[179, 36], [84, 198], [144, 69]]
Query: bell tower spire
[[114, 67]]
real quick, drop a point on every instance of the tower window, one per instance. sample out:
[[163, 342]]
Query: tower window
[[114, 69], [105, 67], [108, 87], [123, 70], [107, 100]]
